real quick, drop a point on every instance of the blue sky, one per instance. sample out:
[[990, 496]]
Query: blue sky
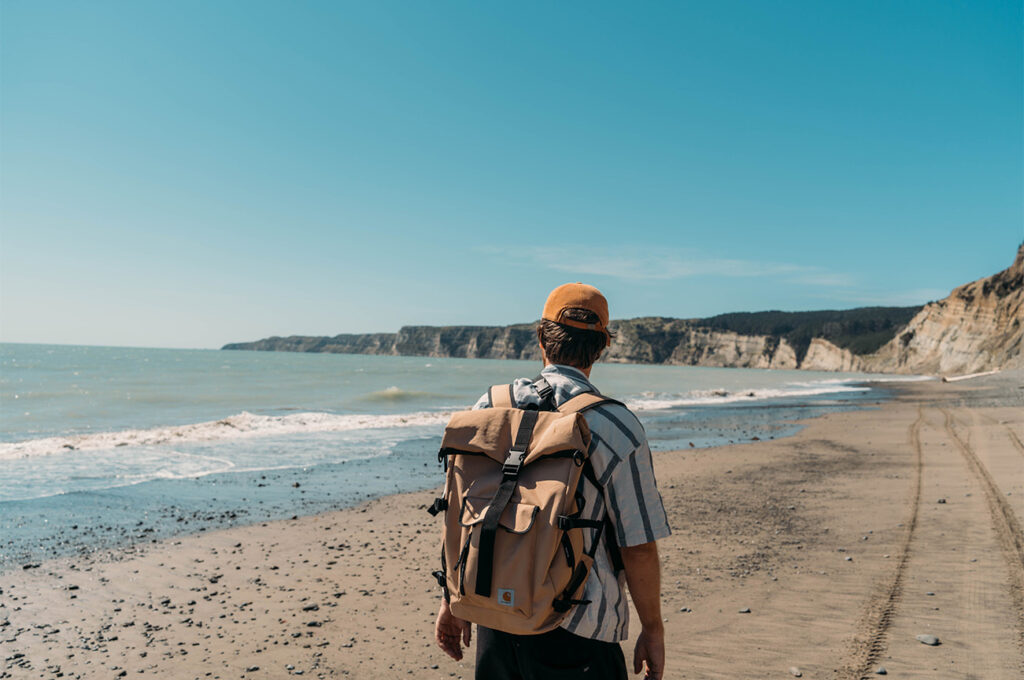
[[185, 174]]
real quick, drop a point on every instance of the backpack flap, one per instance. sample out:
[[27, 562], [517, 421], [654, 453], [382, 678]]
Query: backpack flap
[[490, 432]]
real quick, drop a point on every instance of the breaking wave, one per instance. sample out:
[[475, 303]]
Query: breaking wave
[[240, 426], [395, 394], [650, 401]]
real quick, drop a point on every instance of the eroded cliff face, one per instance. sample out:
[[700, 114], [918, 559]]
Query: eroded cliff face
[[368, 343], [656, 340], [822, 355], [469, 342], [652, 340], [977, 328]]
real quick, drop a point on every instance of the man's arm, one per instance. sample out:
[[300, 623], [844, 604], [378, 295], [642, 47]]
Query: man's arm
[[643, 575]]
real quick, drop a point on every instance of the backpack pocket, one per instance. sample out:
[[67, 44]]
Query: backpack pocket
[[512, 576]]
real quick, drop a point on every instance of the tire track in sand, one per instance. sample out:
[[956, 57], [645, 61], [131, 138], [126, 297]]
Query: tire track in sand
[[1004, 521], [1017, 443], [871, 637]]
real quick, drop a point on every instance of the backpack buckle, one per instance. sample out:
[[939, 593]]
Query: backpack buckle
[[510, 468], [440, 505]]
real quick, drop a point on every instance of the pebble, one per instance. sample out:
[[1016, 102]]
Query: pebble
[[252, 669], [849, 559], [686, 610], [795, 672], [941, 501], [745, 610], [881, 671], [929, 640], [929, 593]]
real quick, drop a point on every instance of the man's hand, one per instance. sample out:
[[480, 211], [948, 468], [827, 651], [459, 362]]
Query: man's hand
[[650, 653], [449, 631]]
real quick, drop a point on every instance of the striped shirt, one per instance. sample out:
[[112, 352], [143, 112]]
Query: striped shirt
[[621, 459]]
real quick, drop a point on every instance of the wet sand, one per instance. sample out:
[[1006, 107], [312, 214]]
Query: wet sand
[[845, 543]]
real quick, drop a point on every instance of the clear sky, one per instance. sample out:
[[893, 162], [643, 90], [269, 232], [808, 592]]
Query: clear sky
[[191, 173]]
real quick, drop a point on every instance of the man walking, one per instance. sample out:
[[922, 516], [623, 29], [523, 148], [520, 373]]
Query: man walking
[[573, 333]]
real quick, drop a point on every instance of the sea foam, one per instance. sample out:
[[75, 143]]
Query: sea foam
[[240, 426], [655, 402]]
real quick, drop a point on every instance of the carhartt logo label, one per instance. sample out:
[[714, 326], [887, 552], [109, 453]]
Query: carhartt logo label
[[506, 597]]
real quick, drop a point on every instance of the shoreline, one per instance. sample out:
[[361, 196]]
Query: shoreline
[[835, 538], [82, 522]]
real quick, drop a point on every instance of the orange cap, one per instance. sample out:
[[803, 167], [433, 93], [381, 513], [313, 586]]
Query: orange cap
[[577, 296]]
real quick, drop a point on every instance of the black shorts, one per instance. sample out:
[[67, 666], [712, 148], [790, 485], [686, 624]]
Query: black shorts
[[555, 655]]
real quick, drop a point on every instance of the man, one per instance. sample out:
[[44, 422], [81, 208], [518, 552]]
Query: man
[[573, 333]]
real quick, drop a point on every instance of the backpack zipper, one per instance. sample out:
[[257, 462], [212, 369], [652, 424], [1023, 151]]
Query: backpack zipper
[[460, 564]]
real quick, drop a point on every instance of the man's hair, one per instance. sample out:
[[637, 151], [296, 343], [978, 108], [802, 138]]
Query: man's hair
[[570, 346]]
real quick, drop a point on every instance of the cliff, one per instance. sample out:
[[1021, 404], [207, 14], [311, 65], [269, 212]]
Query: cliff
[[470, 342], [656, 340], [977, 328], [649, 340]]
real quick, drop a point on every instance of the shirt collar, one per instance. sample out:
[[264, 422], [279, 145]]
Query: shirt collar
[[567, 371]]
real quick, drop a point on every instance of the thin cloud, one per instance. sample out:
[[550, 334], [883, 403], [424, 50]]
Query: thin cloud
[[902, 298], [631, 265], [826, 279]]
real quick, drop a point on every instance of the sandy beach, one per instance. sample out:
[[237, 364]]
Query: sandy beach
[[845, 542]]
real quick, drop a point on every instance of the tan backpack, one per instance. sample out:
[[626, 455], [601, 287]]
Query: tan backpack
[[512, 555]]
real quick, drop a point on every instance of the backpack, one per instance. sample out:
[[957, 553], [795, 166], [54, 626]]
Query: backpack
[[512, 555]]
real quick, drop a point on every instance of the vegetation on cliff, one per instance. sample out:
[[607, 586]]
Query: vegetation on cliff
[[862, 330]]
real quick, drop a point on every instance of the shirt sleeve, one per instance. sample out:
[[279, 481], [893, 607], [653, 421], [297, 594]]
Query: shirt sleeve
[[634, 504]]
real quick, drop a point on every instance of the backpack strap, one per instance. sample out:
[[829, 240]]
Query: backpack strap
[[509, 479], [610, 540], [501, 396], [545, 392], [603, 527], [585, 402]]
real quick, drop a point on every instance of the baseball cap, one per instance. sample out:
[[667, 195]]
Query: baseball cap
[[577, 296]]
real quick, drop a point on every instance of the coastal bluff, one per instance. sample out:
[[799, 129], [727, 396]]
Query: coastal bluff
[[977, 328], [648, 340]]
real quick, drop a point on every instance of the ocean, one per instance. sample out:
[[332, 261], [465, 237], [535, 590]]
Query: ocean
[[103, 446]]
